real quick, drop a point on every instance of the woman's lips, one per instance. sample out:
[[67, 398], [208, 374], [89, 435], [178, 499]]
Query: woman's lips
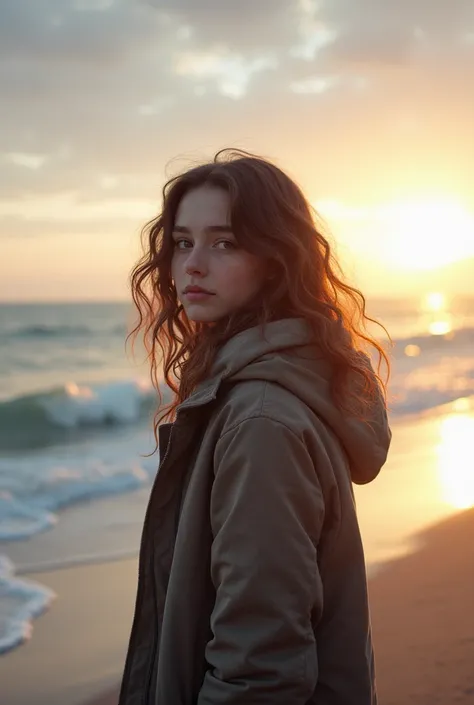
[[197, 295]]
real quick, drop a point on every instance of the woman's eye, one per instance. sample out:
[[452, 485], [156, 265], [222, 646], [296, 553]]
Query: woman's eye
[[226, 245], [182, 244]]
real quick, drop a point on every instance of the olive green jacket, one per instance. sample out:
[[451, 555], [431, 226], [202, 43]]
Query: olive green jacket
[[252, 586]]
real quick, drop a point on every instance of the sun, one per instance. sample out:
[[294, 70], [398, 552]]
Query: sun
[[424, 235]]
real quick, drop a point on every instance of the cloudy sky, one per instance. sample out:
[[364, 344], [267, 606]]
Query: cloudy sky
[[369, 104]]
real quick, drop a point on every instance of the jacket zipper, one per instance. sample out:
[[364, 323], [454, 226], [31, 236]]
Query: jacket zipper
[[139, 599]]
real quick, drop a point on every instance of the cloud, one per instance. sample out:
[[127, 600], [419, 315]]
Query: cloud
[[383, 31], [99, 95], [74, 30], [78, 85], [248, 25], [232, 73]]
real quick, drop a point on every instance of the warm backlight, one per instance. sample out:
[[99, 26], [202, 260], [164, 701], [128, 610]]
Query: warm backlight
[[428, 235], [435, 301], [455, 459]]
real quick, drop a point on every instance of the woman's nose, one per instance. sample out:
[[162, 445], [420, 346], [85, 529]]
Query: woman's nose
[[196, 262]]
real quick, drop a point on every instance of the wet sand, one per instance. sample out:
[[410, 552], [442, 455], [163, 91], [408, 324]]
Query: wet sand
[[422, 614], [423, 620], [78, 647]]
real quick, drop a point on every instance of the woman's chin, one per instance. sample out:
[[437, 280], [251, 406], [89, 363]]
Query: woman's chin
[[202, 319], [201, 316]]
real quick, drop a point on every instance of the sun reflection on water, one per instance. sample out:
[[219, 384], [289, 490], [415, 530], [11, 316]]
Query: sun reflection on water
[[435, 301], [436, 305], [440, 327], [456, 468]]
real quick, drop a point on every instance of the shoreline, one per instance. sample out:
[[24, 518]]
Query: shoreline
[[78, 647]]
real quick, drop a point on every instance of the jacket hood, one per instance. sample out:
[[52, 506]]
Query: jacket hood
[[285, 354]]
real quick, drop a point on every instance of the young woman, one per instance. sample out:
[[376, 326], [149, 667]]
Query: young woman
[[252, 584]]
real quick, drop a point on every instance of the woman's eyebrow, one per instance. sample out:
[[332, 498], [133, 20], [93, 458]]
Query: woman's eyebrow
[[210, 229], [219, 229]]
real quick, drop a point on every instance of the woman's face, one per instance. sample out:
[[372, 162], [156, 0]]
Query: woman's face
[[213, 276]]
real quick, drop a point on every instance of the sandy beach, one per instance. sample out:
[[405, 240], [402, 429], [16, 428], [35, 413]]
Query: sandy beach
[[422, 613], [422, 608], [423, 619], [78, 647]]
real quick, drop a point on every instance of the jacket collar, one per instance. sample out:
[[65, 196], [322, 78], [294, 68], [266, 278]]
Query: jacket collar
[[244, 348], [204, 394]]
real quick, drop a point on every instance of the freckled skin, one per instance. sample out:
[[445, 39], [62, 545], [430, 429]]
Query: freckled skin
[[207, 255]]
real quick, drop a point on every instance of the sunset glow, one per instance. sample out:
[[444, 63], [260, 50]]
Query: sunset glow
[[441, 327], [350, 103], [425, 235], [454, 453], [435, 301]]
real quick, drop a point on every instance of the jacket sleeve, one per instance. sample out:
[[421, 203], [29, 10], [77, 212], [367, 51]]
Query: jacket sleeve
[[266, 514]]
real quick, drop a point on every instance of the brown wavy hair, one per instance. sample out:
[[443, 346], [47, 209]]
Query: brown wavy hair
[[271, 218]]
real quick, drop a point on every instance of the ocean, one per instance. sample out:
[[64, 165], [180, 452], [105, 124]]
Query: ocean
[[75, 427]]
